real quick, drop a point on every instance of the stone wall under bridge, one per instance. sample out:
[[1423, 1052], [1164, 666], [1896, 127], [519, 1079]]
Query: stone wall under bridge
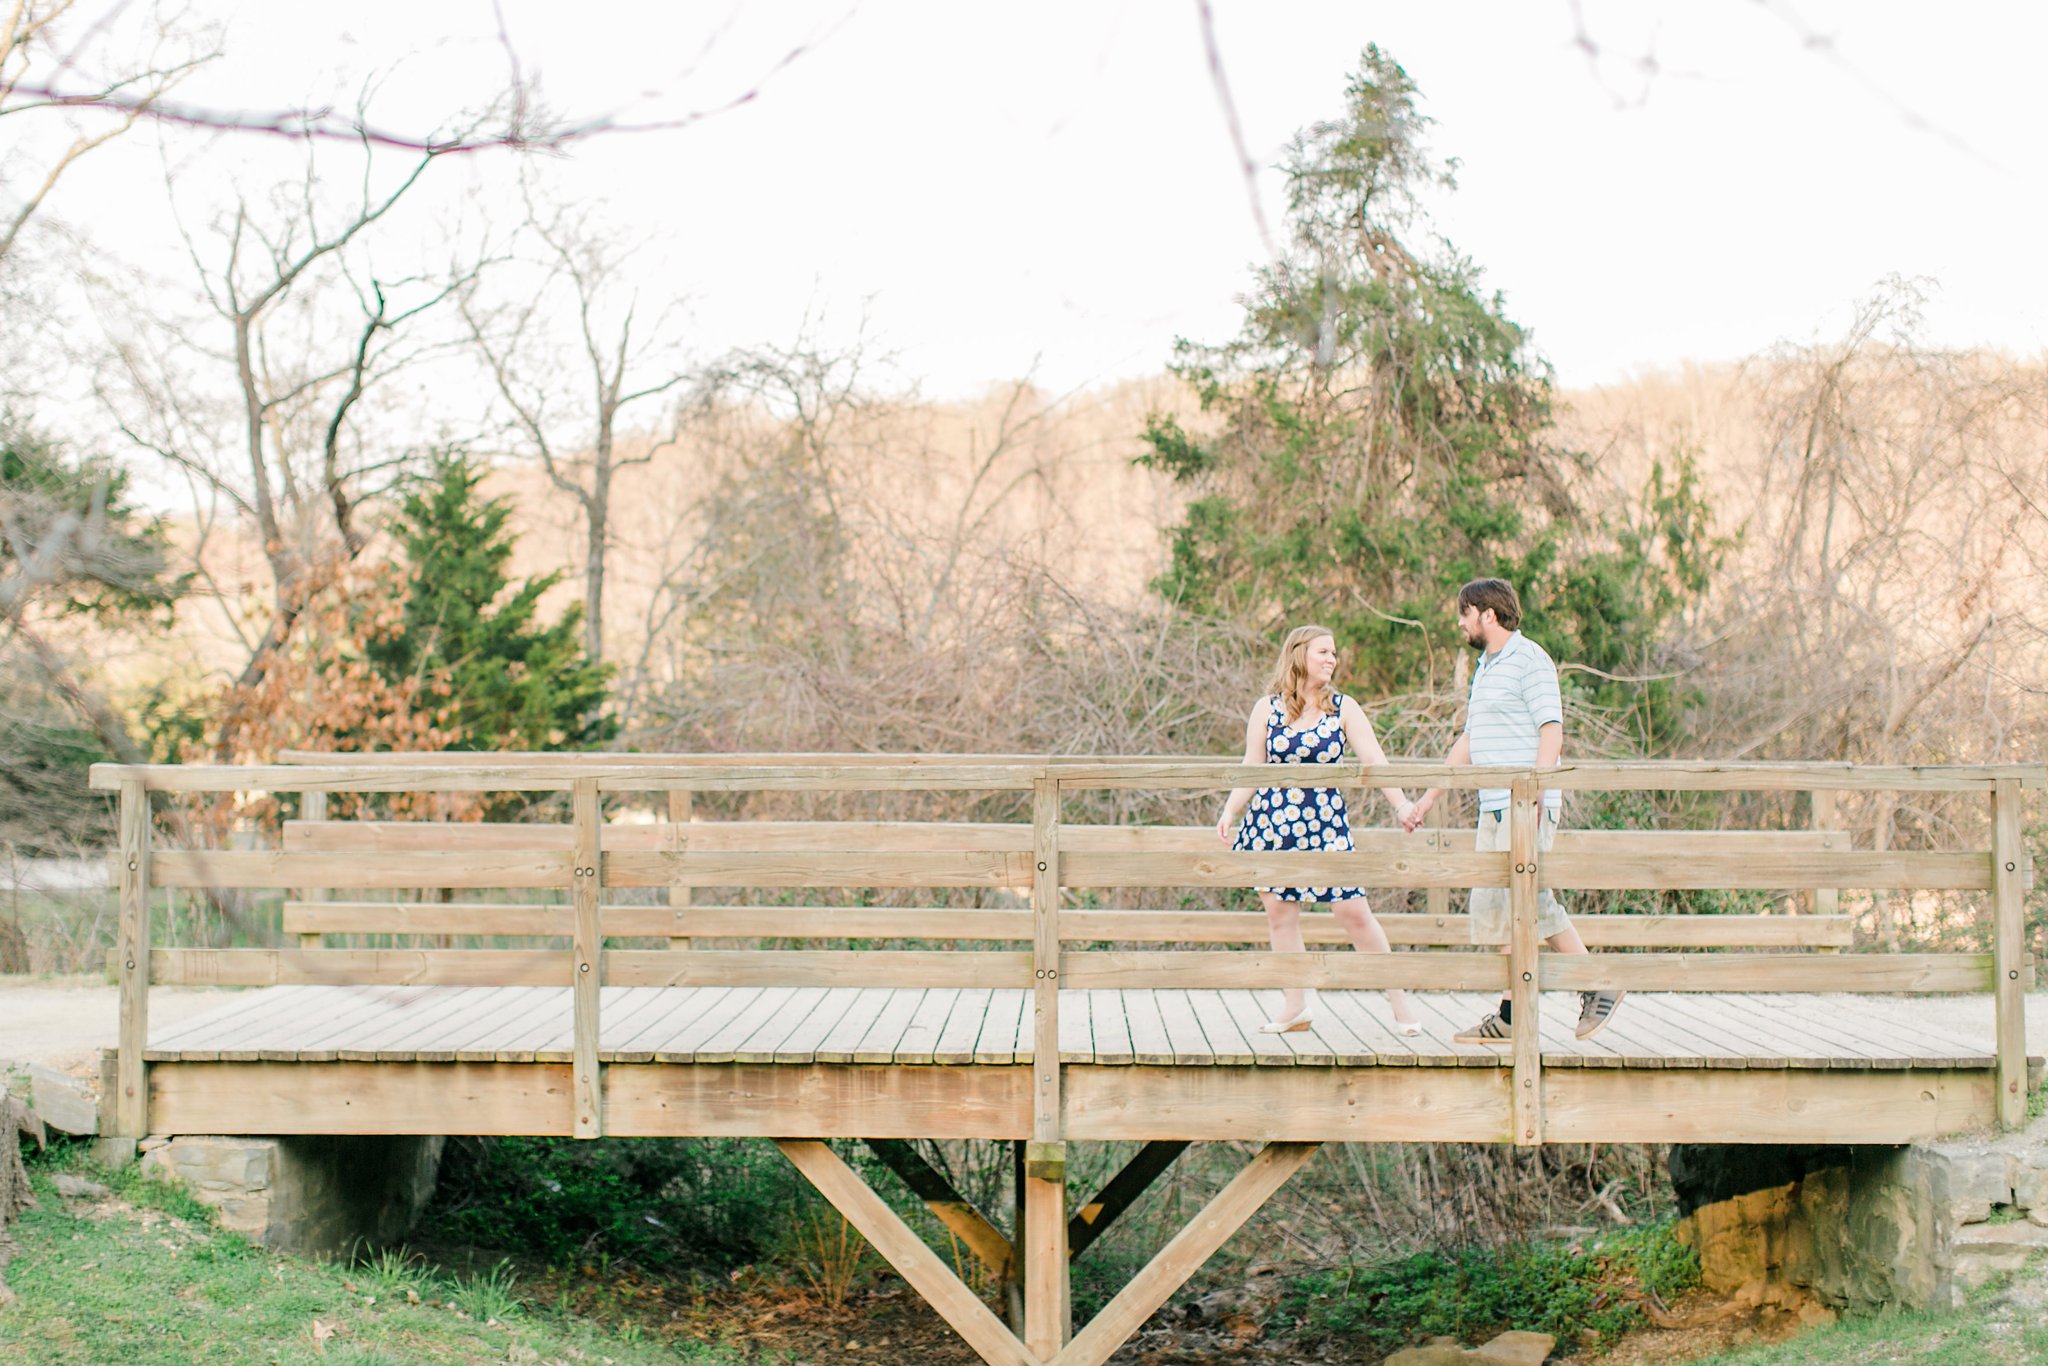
[[1861, 1229], [324, 1195]]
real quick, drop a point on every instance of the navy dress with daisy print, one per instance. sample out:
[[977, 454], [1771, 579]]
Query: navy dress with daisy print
[[1285, 818]]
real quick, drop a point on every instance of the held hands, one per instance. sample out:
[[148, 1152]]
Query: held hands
[[1412, 814]]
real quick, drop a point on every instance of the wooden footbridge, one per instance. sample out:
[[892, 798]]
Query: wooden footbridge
[[1032, 1014]]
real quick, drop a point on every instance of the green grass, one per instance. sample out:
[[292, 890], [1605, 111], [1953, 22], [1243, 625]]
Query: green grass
[[1568, 1291], [1967, 1337], [148, 1280]]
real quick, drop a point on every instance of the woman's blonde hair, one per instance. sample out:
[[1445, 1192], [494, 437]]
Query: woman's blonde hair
[[1290, 674]]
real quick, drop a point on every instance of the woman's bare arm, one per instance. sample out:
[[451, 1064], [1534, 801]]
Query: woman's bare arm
[[1359, 734], [1254, 753]]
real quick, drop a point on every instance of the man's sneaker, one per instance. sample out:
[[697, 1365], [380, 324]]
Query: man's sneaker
[[1492, 1029], [1596, 1008]]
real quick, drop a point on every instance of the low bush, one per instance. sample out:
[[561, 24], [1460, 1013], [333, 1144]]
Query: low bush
[[705, 1204], [1563, 1289]]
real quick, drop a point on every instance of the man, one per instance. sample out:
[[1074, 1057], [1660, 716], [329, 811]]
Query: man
[[1515, 717]]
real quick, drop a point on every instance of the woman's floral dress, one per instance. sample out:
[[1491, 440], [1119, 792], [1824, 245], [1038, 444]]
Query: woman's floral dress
[[1288, 818]]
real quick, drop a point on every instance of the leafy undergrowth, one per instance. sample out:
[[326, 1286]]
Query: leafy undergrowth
[[1585, 1294], [142, 1275]]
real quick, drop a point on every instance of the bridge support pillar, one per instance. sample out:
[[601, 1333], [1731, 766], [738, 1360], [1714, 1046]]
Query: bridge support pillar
[[1048, 1311]]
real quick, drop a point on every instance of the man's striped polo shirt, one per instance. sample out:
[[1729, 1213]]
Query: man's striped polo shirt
[[1514, 693]]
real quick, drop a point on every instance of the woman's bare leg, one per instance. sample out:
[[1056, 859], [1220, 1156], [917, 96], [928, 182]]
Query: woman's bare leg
[[1283, 927], [1366, 935]]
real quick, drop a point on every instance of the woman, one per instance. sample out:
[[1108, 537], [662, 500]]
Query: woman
[[1302, 720]]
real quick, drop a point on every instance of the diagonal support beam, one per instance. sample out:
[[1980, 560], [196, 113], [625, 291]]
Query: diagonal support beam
[[1182, 1257], [905, 1251], [947, 1205], [1093, 1219]]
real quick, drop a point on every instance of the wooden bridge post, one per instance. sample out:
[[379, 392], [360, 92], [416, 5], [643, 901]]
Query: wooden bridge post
[[1043, 1240], [679, 894], [1524, 985], [312, 807], [2008, 950], [131, 1096], [1826, 900], [1438, 899], [586, 888]]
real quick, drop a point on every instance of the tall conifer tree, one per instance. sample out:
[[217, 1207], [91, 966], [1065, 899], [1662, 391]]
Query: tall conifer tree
[[1379, 432], [514, 681]]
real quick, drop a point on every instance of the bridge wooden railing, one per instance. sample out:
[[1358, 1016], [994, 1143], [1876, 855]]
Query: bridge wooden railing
[[584, 859]]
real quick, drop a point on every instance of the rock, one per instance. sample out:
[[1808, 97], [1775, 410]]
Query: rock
[[63, 1101], [1516, 1348], [2038, 1215], [2015, 1234], [78, 1188], [1985, 1251], [151, 1144], [1429, 1356], [2030, 1181], [1967, 1212], [1972, 1181]]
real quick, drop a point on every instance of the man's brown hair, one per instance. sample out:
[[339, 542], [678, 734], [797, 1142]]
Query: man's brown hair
[[1497, 594]]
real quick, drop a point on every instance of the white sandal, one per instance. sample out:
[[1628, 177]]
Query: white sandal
[[1300, 1019]]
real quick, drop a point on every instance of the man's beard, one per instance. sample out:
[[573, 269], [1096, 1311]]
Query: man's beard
[[1477, 642]]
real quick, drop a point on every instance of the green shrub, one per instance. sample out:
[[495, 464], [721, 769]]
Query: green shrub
[[1471, 1294], [697, 1203]]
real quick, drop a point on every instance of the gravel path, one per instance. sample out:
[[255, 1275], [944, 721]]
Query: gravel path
[[64, 1022]]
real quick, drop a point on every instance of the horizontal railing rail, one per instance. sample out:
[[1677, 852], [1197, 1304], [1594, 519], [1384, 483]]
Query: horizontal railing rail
[[578, 863], [748, 773], [628, 920]]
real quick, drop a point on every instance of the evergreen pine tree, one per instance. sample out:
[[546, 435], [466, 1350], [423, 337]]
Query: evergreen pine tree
[[1379, 432], [514, 682]]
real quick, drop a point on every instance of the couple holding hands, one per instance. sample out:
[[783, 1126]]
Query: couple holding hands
[[1515, 716]]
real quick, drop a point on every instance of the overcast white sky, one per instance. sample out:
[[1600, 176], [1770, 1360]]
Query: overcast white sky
[[999, 185]]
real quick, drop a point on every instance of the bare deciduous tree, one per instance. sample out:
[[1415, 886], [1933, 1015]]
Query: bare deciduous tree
[[565, 404], [1890, 603], [59, 60], [269, 419]]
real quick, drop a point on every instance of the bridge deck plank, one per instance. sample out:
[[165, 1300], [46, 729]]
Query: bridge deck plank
[[1005, 1028], [920, 1038], [427, 1011], [681, 1043], [1151, 1045], [1183, 1029], [1099, 1026], [404, 1016]]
